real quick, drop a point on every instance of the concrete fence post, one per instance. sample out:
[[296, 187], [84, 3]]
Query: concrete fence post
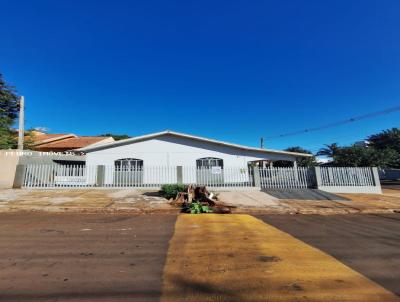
[[19, 176], [318, 178], [375, 177], [179, 174], [100, 177], [256, 176]]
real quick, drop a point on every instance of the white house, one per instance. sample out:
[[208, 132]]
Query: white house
[[167, 150]]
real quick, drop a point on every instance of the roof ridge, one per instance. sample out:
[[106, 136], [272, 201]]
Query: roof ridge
[[156, 134]]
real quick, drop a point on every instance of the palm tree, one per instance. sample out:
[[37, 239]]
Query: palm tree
[[329, 150]]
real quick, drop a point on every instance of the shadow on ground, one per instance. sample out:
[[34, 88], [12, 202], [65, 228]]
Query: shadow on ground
[[303, 194]]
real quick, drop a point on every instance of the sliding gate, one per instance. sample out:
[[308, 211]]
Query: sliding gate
[[287, 178]]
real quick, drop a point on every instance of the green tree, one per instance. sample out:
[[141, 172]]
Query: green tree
[[9, 107], [301, 161], [329, 150], [117, 137], [365, 156], [386, 139]]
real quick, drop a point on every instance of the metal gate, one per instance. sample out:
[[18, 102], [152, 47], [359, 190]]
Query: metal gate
[[287, 178]]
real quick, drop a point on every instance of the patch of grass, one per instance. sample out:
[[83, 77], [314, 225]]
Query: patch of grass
[[197, 208], [171, 190]]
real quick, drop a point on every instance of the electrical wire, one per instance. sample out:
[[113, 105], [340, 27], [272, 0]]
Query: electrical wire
[[339, 123]]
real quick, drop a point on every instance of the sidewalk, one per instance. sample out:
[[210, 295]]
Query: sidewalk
[[260, 202], [83, 201], [139, 201]]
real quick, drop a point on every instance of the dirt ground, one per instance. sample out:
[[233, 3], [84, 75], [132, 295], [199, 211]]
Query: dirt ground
[[84, 201], [82, 257], [370, 244]]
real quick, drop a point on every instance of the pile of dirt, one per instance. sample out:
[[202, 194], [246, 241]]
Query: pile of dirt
[[200, 197]]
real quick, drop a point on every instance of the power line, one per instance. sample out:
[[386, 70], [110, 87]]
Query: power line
[[339, 123]]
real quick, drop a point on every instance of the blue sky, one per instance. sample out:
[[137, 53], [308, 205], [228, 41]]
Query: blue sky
[[229, 70]]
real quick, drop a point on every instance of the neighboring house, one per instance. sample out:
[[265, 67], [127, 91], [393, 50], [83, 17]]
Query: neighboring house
[[171, 149], [64, 142]]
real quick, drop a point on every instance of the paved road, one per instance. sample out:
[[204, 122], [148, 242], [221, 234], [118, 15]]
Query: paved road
[[369, 244], [106, 257], [239, 258], [81, 257]]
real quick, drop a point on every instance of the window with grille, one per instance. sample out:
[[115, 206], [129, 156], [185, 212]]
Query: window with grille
[[128, 164], [208, 162]]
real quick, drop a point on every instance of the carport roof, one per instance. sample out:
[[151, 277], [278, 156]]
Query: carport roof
[[183, 135]]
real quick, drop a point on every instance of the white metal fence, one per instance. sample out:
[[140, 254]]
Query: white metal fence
[[59, 176], [346, 176], [280, 178], [227, 177], [48, 176], [80, 176], [146, 177]]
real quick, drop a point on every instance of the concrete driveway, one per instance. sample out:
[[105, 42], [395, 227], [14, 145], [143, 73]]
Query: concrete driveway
[[259, 201]]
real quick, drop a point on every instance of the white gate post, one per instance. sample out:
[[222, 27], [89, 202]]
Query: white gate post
[[179, 174], [100, 175], [257, 178], [318, 178], [375, 178], [19, 176]]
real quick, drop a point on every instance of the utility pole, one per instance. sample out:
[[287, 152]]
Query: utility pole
[[262, 143], [21, 131]]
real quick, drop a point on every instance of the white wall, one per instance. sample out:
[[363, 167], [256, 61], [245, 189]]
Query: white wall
[[8, 164], [174, 151]]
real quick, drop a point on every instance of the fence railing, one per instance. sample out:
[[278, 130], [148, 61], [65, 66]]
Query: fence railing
[[47, 176], [333, 179], [280, 178], [346, 176], [150, 176]]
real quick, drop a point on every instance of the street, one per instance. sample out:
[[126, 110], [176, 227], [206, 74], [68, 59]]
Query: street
[[165, 257], [369, 244]]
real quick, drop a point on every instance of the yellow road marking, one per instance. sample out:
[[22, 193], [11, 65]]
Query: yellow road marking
[[240, 258]]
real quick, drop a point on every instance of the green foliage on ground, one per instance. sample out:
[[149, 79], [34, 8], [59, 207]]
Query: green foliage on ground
[[171, 190], [197, 208]]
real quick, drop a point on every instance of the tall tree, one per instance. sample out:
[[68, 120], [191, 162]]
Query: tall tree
[[385, 139], [329, 150], [365, 156], [9, 107]]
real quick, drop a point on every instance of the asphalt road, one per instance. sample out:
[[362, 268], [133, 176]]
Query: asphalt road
[[83, 257], [369, 244], [106, 257]]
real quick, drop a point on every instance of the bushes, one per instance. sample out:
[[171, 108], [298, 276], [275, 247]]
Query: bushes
[[196, 208], [171, 190]]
